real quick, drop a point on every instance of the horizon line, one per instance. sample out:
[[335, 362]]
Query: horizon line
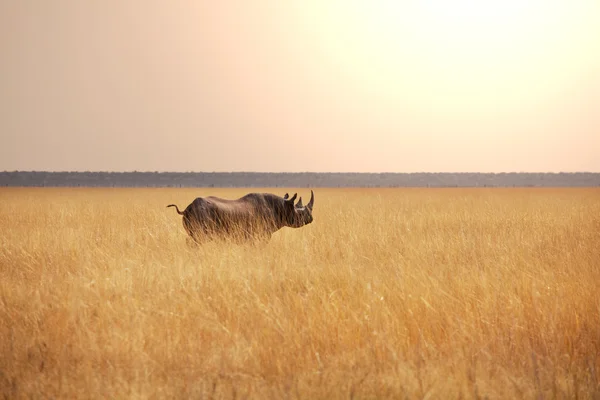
[[296, 172]]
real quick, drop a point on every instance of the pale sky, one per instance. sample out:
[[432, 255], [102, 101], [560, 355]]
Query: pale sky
[[300, 85]]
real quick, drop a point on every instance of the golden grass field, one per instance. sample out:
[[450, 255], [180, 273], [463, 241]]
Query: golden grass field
[[390, 293]]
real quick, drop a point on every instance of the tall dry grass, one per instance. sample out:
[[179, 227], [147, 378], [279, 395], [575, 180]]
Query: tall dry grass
[[411, 293]]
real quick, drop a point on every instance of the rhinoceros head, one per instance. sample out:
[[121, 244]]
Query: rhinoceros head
[[297, 215]]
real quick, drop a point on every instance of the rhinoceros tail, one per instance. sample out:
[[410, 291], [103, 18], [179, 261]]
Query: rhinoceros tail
[[177, 208]]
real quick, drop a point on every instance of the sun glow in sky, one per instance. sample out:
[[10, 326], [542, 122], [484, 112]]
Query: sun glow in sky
[[430, 85], [468, 56]]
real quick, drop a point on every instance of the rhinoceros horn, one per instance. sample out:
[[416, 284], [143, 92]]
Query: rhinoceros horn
[[299, 203], [311, 202]]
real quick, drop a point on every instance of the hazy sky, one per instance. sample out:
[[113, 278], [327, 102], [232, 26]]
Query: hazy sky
[[300, 85]]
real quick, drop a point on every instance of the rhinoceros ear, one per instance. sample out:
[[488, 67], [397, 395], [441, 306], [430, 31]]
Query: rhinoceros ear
[[291, 199], [311, 202], [299, 203], [285, 196]]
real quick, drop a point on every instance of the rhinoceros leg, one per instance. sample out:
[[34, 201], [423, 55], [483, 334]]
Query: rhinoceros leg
[[199, 236], [192, 243]]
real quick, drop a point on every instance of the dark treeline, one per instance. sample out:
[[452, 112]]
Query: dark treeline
[[302, 179]]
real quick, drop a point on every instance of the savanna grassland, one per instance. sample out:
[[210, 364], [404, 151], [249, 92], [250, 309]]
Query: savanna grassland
[[391, 293]]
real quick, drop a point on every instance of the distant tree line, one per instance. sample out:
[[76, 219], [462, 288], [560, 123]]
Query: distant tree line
[[296, 179]]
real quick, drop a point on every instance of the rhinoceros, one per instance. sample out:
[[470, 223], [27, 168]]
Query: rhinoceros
[[255, 216]]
